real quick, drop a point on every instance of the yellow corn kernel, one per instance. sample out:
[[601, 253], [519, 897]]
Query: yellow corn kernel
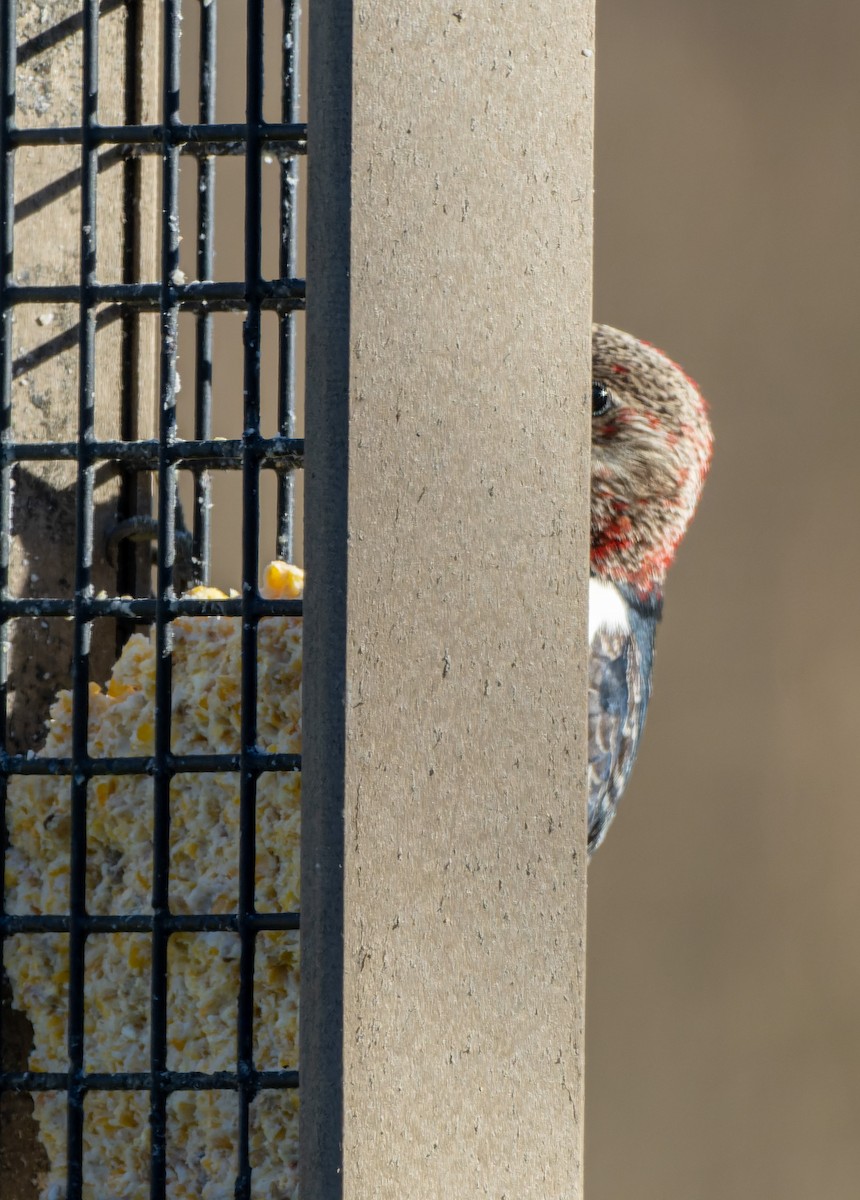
[[282, 581], [137, 956], [207, 593], [118, 691], [104, 788], [145, 733]]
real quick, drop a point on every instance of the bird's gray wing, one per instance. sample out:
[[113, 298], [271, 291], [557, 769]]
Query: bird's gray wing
[[619, 687]]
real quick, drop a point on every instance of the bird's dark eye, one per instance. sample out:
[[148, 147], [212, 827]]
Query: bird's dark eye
[[601, 399]]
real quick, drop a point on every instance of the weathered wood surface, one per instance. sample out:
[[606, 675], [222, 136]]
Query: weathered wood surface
[[446, 541]]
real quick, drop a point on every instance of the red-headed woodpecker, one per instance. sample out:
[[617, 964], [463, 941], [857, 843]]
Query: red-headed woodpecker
[[650, 451]]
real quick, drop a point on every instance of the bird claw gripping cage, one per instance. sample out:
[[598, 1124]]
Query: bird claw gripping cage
[[148, 910]]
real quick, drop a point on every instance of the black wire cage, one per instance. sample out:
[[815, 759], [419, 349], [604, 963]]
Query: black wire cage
[[132, 564]]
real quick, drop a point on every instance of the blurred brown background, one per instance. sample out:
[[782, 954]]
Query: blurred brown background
[[723, 1047]]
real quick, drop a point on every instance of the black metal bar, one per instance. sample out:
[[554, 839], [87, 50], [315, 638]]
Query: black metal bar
[[118, 606], [276, 295], [143, 923], [202, 520], [289, 187], [170, 237], [139, 1081], [85, 517], [281, 454], [188, 139], [8, 18], [252, 330], [323, 1035], [173, 764], [127, 559]]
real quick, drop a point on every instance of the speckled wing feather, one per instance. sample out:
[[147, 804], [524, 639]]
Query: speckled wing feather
[[619, 687]]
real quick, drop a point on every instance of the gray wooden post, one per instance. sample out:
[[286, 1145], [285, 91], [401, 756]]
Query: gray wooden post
[[446, 541]]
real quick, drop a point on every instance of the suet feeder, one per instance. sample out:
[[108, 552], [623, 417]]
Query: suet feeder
[[149, 915]]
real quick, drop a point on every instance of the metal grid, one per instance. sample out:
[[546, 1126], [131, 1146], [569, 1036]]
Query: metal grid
[[164, 455]]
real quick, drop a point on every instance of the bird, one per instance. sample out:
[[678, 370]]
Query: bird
[[651, 447]]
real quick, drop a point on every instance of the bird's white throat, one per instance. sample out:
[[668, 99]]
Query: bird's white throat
[[606, 609]]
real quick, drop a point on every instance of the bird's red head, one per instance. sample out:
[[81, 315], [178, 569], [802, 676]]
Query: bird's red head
[[650, 452]]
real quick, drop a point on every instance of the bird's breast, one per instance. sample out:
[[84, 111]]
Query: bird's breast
[[607, 609]]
